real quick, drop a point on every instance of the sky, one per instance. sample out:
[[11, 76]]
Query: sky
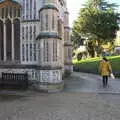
[[75, 5]]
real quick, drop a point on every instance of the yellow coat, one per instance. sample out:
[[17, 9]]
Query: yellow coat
[[105, 68]]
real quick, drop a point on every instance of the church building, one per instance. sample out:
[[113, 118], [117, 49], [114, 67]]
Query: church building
[[35, 39]]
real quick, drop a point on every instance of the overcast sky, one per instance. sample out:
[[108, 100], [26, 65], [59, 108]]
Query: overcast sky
[[75, 5]]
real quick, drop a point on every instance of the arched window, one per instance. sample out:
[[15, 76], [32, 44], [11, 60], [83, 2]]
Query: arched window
[[30, 32], [34, 32], [10, 11], [27, 33], [15, 10], [31, 9], [55, 50], [34, 52], [23, 52], [6, 12], [0, 12], [34, 9], [19, 10], [46, 24], [53, 22], [30, 51], [39, 55], [27, 9], [46, 51], [17, 38], [3, 12], [23, 9], [68, 36], [1, 40], [27, 52], [42, 24], [8, 39], [59, 28], [23, 35]]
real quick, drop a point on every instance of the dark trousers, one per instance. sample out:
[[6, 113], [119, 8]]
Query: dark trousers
[[105, 81]]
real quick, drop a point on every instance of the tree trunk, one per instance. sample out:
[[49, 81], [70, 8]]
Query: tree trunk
[[98, 48]]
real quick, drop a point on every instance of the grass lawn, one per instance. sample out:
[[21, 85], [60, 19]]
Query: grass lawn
[[91, 65]]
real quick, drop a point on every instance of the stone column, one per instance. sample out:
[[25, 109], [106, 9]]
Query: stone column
[[5, 56], [13, 47]]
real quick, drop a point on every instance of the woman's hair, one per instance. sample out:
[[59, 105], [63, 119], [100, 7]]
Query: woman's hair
[[104, 58]]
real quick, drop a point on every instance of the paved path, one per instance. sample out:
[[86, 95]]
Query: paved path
[[61, 106], [83, 82], [71, 104]]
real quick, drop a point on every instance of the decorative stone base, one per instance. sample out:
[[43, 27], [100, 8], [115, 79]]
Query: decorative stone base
[[49, 87], [32, 74], [40, 80]]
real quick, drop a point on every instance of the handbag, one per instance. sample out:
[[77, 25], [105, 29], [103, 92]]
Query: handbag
[[112, 76]]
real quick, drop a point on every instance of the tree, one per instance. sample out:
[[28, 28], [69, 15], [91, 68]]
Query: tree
[[97, 21], [76, 39], [100, 4], [90, 48]]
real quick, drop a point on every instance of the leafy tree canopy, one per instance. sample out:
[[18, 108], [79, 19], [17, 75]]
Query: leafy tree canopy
[[100, 4], [95, 22]]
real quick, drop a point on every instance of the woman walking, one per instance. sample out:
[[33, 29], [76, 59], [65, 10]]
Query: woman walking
[[105, 70]]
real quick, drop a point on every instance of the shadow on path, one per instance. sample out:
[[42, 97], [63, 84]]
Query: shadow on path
[[6, 97]]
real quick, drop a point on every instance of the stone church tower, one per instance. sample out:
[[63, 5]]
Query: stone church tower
[[44, 49]]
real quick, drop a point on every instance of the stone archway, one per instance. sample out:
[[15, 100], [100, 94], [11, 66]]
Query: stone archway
[[1, 40]]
